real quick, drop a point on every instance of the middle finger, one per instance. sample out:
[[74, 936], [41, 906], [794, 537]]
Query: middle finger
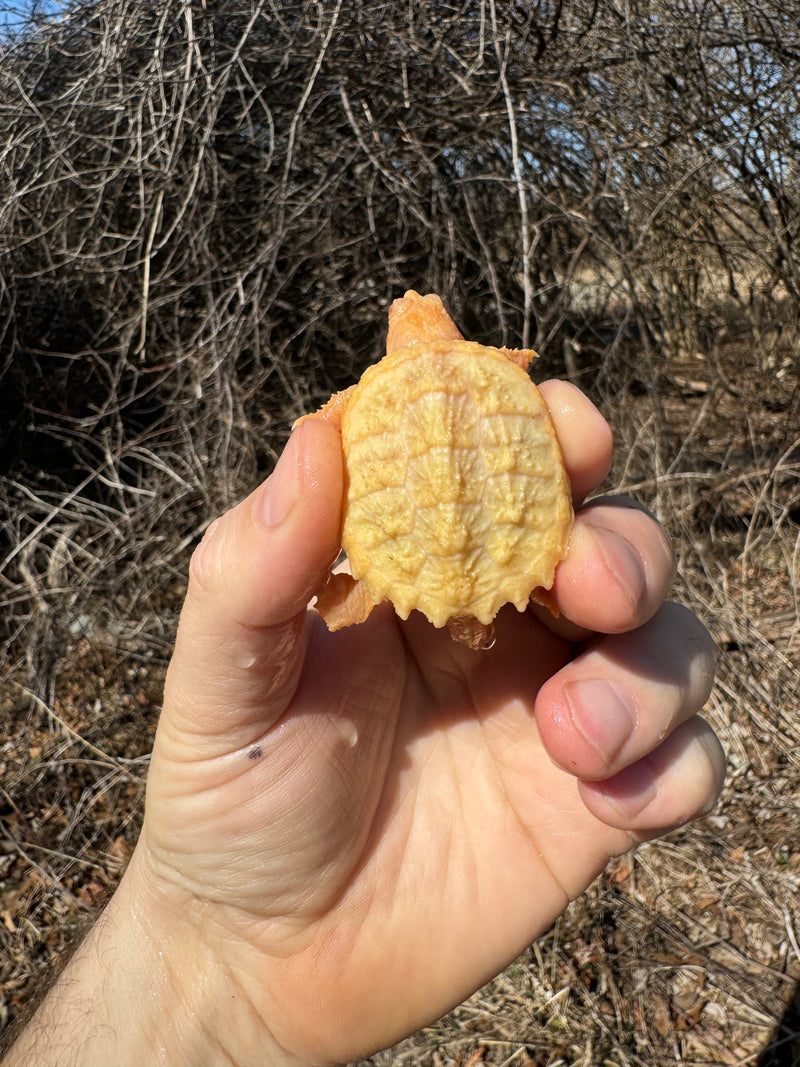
[[616, 702], [616, 574]]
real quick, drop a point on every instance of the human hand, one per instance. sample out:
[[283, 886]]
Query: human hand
[[347, 833], [334, 817]]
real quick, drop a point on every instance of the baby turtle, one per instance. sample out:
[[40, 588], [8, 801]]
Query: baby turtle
[[456, 498]]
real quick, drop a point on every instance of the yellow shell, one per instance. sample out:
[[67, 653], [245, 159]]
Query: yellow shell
[[457, 499]]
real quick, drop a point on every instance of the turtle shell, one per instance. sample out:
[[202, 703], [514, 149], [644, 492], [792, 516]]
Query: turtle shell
[[457, 501]]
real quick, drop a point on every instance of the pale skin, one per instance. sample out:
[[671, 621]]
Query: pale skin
[[346, 834]]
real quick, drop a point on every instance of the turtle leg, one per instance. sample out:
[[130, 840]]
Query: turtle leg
[[332, 410], [523, 357], [344, 601]]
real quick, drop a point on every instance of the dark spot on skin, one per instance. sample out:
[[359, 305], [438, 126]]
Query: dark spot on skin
[[255, 752]]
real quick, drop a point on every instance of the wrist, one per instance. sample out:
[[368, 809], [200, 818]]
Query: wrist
[[198, 1012], [143, 990]]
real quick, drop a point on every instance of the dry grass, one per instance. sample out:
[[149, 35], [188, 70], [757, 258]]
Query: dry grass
[[202, 221]]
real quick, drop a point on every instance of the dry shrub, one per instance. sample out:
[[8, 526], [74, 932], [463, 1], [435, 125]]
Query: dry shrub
[[205, 210]]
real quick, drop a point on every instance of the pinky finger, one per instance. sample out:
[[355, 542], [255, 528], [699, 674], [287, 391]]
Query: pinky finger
[[677, 782]]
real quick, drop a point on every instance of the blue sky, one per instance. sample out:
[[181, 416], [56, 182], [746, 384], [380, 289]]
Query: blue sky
[[15, 13]]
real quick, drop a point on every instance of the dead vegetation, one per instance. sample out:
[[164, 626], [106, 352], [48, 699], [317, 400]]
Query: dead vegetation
[[205, 209]]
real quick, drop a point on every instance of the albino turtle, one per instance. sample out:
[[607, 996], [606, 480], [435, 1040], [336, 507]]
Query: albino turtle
[[456, 498]]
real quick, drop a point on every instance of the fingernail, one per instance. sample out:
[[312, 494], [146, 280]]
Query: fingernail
[[712, 751], [630, 791], [623, 562], [282, 489], [603, 714]]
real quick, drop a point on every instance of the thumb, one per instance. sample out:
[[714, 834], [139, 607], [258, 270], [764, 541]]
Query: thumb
[[241, 637]]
